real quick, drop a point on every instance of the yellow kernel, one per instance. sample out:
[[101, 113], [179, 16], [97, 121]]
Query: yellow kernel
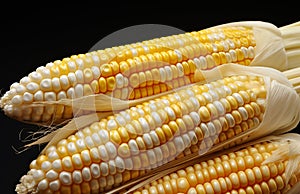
[[111, 83], [115, 137], [102, 85], [204, 114]]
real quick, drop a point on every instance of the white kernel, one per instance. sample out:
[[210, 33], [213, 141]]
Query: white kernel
[[72, 66], [205, 130], [104, 169], [123, 164], [79, 76], [187, 141], [76, 160], [103, 153], [207, 97], [71, 93], [126, 116], [112, 124], [178, 141], [251, 52], [61, 95], [32, 87], [112, 167], [46, 84], [52, 155], [86, 174], [51, 175], [151, 157], [65, 178], [156, 118], [163, 75], [80, 63], [71, 147], [89, 142], [197, 63], [27, 97], [195, 102], [213, 94], [228, 58], [17, 100], [20, 89], [134, 52], [238, 98], [158, 153], [144, 124], [111, 149], [72, 78], [148, 141], [50, 96], [95, 154], [64, 82], [154, 138], [96, 72], [78, 90], [56, 165], [169, 75], [38, 96], [45, 73], [195, 117], [133, 147], [230, 43], [77, 177], [25, 80], [43, 184], [37, 174], [54, 185], [180, 69], [46, 165], [120, 80], [230, 119], [233, 55], [225, 45], [104, 136], [120, 120], [95, 170], [243, 112], [203, 62], [56, 84], [227, 90], [96, 139], [219, 106], [49, 65], [96, 59], [126, 81], [179, 54], [35, 76]]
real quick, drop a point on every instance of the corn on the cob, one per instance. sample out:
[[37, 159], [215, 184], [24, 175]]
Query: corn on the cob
[[130, 143], [142, 69], [268, 166]]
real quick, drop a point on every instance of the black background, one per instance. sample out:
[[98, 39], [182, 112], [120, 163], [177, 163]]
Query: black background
[[33, 36]]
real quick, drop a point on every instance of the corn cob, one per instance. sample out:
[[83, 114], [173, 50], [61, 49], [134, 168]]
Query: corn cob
[[143, 69], [188, 122], [267, 166]]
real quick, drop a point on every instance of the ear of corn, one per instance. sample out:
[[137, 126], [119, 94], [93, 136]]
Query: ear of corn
[[268, 165], [180, 125], [142, 69]]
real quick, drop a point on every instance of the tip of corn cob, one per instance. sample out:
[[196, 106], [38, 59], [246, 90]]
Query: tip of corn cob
[[26, 185]]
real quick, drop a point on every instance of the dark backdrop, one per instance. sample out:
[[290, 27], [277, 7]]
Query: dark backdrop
[[32, 36]]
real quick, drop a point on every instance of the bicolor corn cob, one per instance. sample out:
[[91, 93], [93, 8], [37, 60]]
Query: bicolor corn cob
[[131, 71], [247, 170], [132, 142]]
